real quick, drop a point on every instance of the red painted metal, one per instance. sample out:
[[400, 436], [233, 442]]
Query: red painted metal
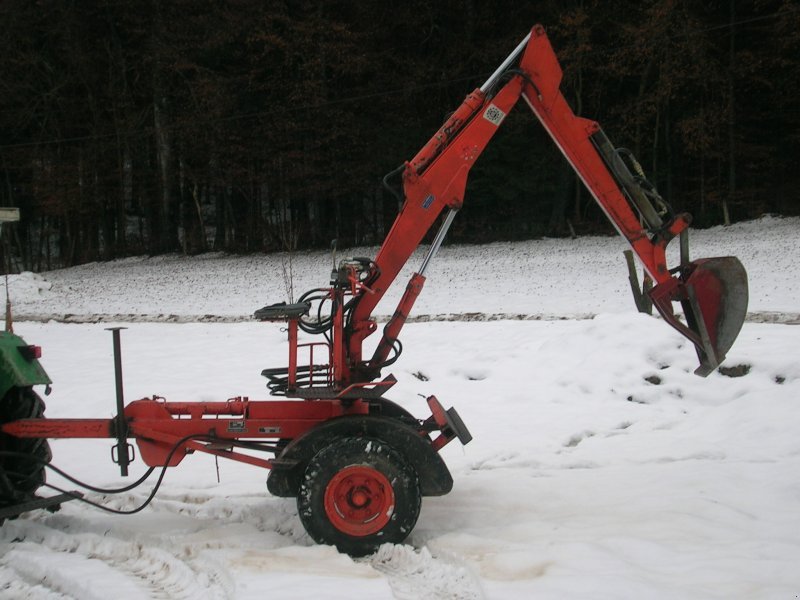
[[59, 428], [448, 131], [572, 136], [30, 352], [159, 448], [438, 185], [359, 500], [714, 299], [158, 426], [395, 324], [365, 386], [440, 417]]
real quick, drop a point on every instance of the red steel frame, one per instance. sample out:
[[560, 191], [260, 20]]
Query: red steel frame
[[159, 426]]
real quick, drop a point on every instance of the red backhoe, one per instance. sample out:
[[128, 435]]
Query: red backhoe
[[358, 463]]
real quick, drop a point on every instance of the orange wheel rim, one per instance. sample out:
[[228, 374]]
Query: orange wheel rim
[[359, 500]]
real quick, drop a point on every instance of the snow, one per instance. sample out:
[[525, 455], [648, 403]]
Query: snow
[[601, 467], [549, 278]]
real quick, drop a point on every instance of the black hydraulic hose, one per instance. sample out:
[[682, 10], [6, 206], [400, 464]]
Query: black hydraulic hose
[[115, 511], [393, 191], [133, 511], [322, 325], [647, 187], [397, 346], [72, 479], [510, 73]]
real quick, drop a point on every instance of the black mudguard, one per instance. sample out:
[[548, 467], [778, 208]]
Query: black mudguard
[[288, 468]]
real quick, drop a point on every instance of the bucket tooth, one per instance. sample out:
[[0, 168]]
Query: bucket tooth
[[713, 293]]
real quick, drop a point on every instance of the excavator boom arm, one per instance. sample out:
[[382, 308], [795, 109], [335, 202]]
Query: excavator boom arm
[[712, 292]]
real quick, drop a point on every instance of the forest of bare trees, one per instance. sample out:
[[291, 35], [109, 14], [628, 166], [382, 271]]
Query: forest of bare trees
[[154, 126]]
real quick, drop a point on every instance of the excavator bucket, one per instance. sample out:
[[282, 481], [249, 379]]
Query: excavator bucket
[[713, 294]]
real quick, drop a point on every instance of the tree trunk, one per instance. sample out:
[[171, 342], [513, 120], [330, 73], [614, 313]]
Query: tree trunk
[[567, 181], [702, 164], [166, 227], [667, 153], [726, 218]]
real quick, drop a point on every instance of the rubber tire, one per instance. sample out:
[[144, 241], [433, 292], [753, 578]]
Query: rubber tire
[[373, 455], [25, 475]]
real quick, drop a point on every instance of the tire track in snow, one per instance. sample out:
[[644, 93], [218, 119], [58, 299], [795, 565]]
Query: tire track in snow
[[417, 575], [16, 581], [411, 574], [83, 557], [263, 513], [174, 562], [174, 566], [259, 511]]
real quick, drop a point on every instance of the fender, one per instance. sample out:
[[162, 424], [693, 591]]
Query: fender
[[18, 364], [288, 469]]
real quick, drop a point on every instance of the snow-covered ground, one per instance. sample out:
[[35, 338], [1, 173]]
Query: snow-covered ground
[[601, 467], [539, 279]]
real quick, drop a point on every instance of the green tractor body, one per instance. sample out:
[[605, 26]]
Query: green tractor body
[[22, 460], [19, 364]]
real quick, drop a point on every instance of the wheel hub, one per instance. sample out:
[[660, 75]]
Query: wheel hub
[[359, 500]]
